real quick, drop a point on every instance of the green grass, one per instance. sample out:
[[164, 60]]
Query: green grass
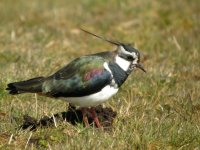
[[157, 110]]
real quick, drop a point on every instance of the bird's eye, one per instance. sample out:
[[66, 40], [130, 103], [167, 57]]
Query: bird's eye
[[130, 58]]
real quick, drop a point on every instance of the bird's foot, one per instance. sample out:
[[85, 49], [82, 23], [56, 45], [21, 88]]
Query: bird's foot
[[95, 118], [85, 118]]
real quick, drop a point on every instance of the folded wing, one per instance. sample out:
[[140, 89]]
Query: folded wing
[[83, 76]]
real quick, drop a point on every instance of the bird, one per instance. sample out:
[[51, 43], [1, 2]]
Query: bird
[[86, 81]]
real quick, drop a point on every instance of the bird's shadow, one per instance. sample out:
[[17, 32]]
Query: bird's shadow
[[72, 115]]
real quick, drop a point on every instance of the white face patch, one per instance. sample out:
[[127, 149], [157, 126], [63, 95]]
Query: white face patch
[[123, 51], [123, 63], [135, 61]]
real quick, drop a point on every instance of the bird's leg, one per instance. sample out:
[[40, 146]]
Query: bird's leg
[[85, 118], [95, 118]]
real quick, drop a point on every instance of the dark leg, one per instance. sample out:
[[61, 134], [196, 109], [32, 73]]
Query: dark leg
[[85, 119], [95, 118]]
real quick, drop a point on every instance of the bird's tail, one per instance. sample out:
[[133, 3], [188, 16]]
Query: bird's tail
[[29, 86]]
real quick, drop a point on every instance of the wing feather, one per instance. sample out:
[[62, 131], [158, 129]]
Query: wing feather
[[83, 76]]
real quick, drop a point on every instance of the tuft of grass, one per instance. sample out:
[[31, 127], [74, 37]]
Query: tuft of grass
[[156, 110]]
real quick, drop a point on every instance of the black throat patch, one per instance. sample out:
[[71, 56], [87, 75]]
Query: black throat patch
[[119, 74]]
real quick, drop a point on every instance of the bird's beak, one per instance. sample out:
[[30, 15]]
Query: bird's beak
[[140, 67]]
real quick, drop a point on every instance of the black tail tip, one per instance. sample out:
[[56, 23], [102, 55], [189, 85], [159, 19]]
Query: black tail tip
[[12, 89]]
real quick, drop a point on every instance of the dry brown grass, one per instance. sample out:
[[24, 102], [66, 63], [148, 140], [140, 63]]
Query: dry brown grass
[[157, 110]]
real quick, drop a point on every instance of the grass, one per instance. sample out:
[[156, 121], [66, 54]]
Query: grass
[[157, 110]]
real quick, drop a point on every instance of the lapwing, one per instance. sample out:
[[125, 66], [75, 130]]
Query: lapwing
[[86, 81]]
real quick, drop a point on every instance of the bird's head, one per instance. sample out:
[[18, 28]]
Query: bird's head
[[127, 56], [130, 54]]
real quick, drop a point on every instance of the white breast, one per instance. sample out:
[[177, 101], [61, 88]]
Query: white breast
[[93, 99]]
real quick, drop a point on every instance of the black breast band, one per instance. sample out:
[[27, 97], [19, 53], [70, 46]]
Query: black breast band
[[119, 74]]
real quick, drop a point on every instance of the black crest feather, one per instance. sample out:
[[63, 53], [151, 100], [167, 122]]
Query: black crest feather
[[102, 38]]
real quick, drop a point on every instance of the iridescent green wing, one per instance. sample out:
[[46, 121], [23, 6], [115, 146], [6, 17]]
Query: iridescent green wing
[[83, 76]]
